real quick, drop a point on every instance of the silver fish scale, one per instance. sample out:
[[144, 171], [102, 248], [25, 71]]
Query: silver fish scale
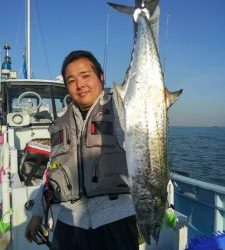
[[145, 135]]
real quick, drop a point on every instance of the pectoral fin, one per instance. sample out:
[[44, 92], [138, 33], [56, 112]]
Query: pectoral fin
[[171, 97]]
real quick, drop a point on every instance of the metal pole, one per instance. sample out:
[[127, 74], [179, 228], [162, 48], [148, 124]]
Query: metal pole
[[0, 66], [28, 41]]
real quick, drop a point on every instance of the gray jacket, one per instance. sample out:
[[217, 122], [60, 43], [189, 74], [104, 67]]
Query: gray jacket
[[96, 211]]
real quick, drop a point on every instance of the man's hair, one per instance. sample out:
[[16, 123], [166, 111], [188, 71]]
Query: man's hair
[[77, 54]]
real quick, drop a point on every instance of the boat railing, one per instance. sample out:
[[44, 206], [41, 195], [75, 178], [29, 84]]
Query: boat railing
[[202, 202]]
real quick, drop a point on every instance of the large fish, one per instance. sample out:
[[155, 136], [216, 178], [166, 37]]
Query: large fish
[[146, 101]]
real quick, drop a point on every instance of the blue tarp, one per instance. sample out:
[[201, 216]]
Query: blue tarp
[[214, 242]]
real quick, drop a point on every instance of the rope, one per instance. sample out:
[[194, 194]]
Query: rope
[[19, 27], [42, 39]]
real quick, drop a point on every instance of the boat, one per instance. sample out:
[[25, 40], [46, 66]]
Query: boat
[[27, 107]]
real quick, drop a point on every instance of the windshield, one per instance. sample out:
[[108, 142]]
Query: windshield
[[39, 101]]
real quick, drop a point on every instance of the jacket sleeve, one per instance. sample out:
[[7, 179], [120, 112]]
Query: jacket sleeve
[[39, 203]]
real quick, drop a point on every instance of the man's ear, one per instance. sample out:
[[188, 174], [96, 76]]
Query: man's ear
[[102, 79]]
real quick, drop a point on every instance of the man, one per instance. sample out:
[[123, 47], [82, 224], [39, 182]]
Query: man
[[87, 143]]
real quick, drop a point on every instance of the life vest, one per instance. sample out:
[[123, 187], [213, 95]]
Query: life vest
[[86, 157]]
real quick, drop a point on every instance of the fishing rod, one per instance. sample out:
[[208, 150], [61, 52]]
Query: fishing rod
[[106, 48]]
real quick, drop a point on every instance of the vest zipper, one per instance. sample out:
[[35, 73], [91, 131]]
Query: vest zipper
[[81, 165], [79, 152], [95, 177], [67, 178], [89, 112], [81, 175]]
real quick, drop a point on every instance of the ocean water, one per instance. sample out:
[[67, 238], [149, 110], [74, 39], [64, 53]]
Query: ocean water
[[198, 152]]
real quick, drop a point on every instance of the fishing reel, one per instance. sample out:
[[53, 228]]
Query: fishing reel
[[42, 236]]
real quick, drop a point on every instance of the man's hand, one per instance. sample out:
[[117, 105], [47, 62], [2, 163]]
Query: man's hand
[[32, 227]]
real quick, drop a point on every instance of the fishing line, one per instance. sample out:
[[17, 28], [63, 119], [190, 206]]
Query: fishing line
[[19, 27], [41, 36], [166, 45], [106, 48]]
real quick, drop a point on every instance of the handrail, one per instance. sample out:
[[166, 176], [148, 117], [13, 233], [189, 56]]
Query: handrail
[[202, 184]]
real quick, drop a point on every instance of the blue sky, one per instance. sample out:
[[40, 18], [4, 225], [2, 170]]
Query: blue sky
[[192, 45]]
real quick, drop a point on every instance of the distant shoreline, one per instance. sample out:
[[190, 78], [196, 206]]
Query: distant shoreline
[[181, 126]]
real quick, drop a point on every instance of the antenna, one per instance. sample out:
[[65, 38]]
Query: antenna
[[106, 48], [6, 65], [28, 41]]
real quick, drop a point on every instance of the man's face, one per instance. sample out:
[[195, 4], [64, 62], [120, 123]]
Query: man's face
[[83, 84]]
